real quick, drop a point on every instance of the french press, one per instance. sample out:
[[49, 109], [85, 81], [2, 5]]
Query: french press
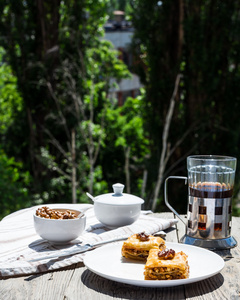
[[210, 189]]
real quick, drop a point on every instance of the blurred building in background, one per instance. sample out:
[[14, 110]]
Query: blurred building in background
[[120, 32]]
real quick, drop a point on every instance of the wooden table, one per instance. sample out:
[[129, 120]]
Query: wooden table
[[76, 282]]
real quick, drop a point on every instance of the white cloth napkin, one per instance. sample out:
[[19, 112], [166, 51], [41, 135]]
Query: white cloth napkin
[[19, 242]]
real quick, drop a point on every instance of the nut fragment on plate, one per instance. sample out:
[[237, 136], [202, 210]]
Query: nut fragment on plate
[[166, 254], [48, 213], [142, 236]]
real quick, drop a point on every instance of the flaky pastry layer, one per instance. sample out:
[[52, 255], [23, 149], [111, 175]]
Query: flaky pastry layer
[[133, 248], [160, 269]]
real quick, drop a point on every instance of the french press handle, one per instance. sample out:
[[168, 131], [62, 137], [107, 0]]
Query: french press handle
[[166, 195]]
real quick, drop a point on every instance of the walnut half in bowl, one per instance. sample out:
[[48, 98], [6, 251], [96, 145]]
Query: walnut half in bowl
[[58, 225], [57, 214]]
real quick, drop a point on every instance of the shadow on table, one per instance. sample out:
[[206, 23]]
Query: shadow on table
[[125, 291], [41, 245]]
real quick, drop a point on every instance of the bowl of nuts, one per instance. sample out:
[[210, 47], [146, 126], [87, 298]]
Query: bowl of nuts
[[59, 225]]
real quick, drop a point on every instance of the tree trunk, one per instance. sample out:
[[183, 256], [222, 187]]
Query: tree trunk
[[127, 172], [145, 175], [74, 175], [165, 146]]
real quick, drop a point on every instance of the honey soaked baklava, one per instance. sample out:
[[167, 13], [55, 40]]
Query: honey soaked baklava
[[166, 265], [138, 245]]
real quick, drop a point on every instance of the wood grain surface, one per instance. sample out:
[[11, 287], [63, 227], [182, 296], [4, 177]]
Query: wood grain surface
[[76, 282]]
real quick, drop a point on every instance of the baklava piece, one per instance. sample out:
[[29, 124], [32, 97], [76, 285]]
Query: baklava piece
[[138, 245], [166, 265]]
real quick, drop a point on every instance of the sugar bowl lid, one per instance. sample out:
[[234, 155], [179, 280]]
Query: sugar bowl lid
[[118, 197]]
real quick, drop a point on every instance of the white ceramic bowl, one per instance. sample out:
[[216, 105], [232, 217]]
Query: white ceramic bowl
[[117, 209], [59, 231]]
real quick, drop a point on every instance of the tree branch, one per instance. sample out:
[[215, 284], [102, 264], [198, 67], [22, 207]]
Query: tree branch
[[59, 109], [165, 154]]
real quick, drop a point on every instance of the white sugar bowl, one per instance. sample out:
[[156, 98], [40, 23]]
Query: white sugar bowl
[[117, 209]]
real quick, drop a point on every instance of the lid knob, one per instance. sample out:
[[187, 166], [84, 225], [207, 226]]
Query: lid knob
[[118, 188]]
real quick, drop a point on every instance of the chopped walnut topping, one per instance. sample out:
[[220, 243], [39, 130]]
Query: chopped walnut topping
[[142, 236], [48, 213], [166, 254]]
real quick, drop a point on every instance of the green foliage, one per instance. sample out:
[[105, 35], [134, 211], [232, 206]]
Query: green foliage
[[14, 185], [131, 127], [125, 130], [200, 41], [14, 179], [83, 77], [64, 78], [10, 100], [55, 75]]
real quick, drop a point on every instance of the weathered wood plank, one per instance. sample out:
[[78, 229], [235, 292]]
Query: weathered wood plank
[[225, 285], [77, 282], [94, 287], [41, 286]]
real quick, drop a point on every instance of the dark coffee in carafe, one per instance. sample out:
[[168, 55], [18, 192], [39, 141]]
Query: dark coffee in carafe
[[210, 190], [210, 196]]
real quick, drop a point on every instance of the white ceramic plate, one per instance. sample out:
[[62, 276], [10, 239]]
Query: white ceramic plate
[[108, 262]]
